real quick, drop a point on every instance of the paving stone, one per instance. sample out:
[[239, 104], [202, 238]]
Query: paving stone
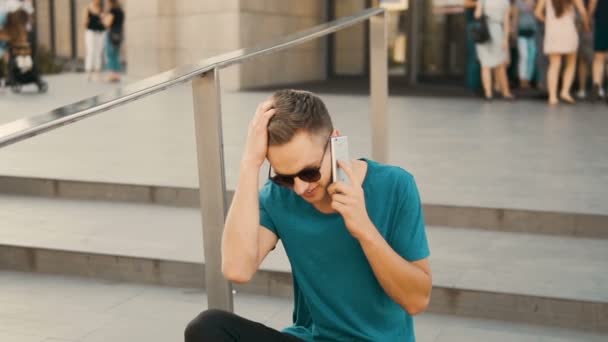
[[155, 314], [463, 152]]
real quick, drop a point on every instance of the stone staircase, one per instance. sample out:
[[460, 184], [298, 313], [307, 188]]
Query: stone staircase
[[517, 266]]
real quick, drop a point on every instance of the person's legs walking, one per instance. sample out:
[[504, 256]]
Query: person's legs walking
[[599, 61], [583, 73], [522, 47], [486, 79], [112, 60], [541, 59], [89, 45], [531, 57], [98, 47], [555, 63], [503, 81], [568, 77], [222, 326]]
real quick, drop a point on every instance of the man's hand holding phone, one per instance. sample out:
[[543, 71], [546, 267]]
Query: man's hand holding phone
[[257, 136], [339, 151], [348, 199]]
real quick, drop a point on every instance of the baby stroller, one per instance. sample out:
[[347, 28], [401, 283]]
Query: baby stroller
[[22, 70]]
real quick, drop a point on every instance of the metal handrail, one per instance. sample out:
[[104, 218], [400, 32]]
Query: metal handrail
[[206, 95], [17, 130]]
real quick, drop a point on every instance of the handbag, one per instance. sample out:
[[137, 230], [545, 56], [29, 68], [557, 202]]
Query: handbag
[[480, 30]]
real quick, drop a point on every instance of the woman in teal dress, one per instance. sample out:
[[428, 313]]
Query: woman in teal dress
[[473, 69]]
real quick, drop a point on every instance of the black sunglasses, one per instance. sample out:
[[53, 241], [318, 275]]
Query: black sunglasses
[[308, 175]]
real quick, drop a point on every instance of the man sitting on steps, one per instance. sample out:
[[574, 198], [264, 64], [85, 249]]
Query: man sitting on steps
[[358, 251]]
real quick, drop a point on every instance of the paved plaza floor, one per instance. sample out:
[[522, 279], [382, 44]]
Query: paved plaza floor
[[462, 151], [521, 155], [41, 308]]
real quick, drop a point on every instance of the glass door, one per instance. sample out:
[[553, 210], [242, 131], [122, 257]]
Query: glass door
[[396, 16], [443, 40]]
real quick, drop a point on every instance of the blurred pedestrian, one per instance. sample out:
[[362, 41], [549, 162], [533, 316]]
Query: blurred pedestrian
[[542, 61], [493, 54], [512, 53], [598, 10], [114, 22], [3, 43], [94, 39], [561, 40], [473, 68], [585, 56], [526, 41]]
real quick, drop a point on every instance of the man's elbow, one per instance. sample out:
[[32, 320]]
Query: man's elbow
[[237, 275], [418, 306]]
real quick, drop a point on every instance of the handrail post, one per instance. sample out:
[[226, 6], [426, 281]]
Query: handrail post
[[379, 86], [212, 184]]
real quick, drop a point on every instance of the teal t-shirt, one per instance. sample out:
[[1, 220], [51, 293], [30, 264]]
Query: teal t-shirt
[[336, 294]]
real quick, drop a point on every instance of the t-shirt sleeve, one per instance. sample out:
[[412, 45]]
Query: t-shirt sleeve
[[409, 235], [265, 218]]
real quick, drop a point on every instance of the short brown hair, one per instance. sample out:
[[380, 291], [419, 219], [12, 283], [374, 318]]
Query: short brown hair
[[297, 110]]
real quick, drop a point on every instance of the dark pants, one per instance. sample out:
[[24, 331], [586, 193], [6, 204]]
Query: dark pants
[[221, 326]]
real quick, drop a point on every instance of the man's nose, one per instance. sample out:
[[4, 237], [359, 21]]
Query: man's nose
[[299, 186]]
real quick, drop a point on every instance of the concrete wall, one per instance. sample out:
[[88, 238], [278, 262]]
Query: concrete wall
[[150, 30], [204, 29], [81, 6], [63, 44], [349, 48], [43, 23], [262, 21], [164, 34]]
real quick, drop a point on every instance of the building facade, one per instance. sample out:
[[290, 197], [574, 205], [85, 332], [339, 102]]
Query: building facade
[[426, 37]]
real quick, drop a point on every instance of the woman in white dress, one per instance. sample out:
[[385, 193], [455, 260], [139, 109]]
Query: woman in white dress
[[493, 54]]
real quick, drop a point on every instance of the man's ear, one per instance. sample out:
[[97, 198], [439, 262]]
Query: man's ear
[[335, 133]]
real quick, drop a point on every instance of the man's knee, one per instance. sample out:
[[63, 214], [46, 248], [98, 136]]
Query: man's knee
[[207, 326]]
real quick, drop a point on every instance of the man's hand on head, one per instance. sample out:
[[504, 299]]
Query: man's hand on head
[[349, 201], [257, 135]]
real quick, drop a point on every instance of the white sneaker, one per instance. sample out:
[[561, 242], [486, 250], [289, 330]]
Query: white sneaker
[[581, 94], [602, 93]]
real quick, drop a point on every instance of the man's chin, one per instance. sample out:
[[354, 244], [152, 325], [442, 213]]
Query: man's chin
[[310, 199], [316, 197]]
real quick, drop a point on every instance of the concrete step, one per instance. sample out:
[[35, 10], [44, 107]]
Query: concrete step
[[495, 219], [38, 307], [550, 280]]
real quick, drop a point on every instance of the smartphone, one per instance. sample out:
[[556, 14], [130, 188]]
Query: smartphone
[[339, 151]]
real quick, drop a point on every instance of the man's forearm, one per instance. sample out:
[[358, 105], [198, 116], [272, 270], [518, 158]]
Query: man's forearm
[[404, 282], [240, 236]]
